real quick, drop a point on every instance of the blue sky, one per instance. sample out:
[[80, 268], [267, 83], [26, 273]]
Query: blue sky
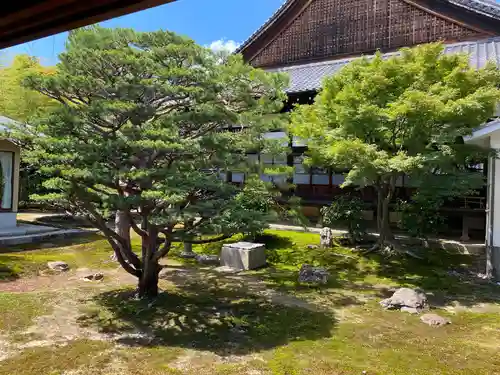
[[206, 21]]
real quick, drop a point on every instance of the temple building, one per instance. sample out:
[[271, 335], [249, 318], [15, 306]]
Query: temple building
[[311, 39]]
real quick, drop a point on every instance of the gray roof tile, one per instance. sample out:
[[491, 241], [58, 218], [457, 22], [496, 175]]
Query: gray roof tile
[[308, 77], [5, 122], [486, 7]]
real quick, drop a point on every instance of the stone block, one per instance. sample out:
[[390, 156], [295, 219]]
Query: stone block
[[243, 255]]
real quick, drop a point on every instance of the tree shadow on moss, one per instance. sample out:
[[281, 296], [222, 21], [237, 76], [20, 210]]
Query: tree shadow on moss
[[273, 241], [221, 321], [445, 275], [7, 273]]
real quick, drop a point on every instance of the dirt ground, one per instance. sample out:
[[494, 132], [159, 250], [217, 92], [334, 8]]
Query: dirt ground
[[69, 292]]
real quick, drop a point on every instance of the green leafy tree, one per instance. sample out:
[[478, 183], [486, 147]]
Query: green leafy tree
[[421, 215], [383, 118], [17, 101], [142, 129], [23, 104], [346, 211]]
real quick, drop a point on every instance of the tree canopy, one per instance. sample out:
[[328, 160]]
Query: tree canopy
[[147, 125], [17, 101], [383, 118], [23, 104]]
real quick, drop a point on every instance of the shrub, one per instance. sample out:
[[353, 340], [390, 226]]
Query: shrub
[[346, 211], [421, 218]]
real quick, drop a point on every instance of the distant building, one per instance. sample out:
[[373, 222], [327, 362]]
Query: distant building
[[311, 39], [9, 178]]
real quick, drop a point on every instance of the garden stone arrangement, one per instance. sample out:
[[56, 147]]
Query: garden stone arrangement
[[405, 299], [413, 301]]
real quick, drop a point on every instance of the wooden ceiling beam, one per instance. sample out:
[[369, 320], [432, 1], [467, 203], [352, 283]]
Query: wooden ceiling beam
[[29, 20], [18, 14]]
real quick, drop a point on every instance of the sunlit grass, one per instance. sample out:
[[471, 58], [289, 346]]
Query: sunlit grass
[[17, 310], [210, 318]]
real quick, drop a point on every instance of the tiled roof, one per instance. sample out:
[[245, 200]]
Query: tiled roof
[[308, 77], [487, 7], [5, 122], [269, 22]]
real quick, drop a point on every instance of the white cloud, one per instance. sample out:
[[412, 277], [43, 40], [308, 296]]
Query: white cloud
[[223, 45]]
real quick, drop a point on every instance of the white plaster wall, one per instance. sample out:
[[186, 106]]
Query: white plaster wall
[[7, 220]]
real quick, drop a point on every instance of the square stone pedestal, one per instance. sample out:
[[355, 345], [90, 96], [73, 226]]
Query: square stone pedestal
[[243, 255]]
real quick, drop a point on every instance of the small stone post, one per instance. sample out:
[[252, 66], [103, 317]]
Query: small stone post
[[326, 237]]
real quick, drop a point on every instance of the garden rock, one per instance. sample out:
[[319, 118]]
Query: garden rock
[[94, 277], [406, 299], [227, 270], [313, 275], [410, 310], [434, 320], [326, 237], [208, 259], [59, 266]]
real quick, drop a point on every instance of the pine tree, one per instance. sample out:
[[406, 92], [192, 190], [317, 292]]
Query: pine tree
[[142, 130]]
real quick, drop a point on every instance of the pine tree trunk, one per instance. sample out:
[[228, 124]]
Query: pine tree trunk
[[148, 282], [122, 225], [188, 247]]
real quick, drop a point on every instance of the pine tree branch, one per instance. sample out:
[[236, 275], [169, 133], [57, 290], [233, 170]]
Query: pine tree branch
[[121, 259], [167, 245], [100, 223], [210, 240], [135, 227]]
